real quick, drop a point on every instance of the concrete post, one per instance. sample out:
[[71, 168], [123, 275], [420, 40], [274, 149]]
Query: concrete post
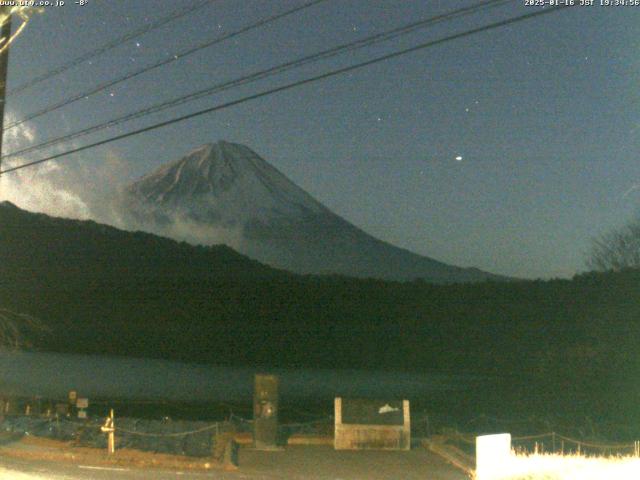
[[493, 453]]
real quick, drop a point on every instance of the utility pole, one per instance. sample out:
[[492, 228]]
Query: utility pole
[[5, 33]]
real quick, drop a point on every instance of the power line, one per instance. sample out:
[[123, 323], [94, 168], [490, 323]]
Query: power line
[[298, 83], [176, 14], [322, 55], [384, 36], [161, 63]]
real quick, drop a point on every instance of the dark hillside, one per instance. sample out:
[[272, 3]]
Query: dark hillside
[[572, 344], [41, 246]]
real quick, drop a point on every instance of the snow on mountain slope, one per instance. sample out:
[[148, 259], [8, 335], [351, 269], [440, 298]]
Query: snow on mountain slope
[[226, 183], [226, 193]]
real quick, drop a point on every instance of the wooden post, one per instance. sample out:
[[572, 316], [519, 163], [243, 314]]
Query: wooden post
[[112, 435], [109, 427], [406, 414]]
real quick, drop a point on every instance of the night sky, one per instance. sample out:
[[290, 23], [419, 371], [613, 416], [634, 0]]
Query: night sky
[[507, 150]]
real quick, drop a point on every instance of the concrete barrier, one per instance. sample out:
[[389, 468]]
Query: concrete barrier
[[493, 453]]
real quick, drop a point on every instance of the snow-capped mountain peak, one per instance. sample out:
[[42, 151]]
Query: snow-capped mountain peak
[[226, 193], [227, 181]]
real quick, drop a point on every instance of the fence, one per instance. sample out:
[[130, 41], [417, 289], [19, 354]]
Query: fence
[[464, 451], [178, 437], [195, 439], [553, 442]]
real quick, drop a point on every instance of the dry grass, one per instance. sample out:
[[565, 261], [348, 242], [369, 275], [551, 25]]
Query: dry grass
[[567, 467], [34, 448]]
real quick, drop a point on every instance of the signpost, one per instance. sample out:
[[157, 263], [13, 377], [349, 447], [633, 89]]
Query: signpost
[[362, 424], [265, 412], [82, 404]]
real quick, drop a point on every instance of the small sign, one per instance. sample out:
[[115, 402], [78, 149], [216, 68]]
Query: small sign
[[73, 395], [82, 403], [364, 424], [82, 414], [62, 408]]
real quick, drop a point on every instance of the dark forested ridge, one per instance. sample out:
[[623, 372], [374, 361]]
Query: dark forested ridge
[[102, 290]]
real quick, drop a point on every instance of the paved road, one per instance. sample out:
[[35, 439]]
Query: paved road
[[293, 463], [17, 469]]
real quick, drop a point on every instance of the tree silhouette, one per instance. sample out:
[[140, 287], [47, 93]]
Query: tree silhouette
[[16, 327], [618, 249]]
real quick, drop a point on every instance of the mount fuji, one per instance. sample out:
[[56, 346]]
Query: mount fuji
[[226, 193]]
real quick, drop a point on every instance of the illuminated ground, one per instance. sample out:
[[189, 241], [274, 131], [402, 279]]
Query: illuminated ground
[[294, 462]]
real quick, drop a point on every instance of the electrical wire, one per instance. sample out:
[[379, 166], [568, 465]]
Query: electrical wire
[[295, 84], [259, 75], [111, 83], [176, 14]]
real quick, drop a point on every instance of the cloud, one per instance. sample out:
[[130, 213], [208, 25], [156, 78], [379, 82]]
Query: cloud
[[91, 188], [177, 224], [182, 228], [74, 189]]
